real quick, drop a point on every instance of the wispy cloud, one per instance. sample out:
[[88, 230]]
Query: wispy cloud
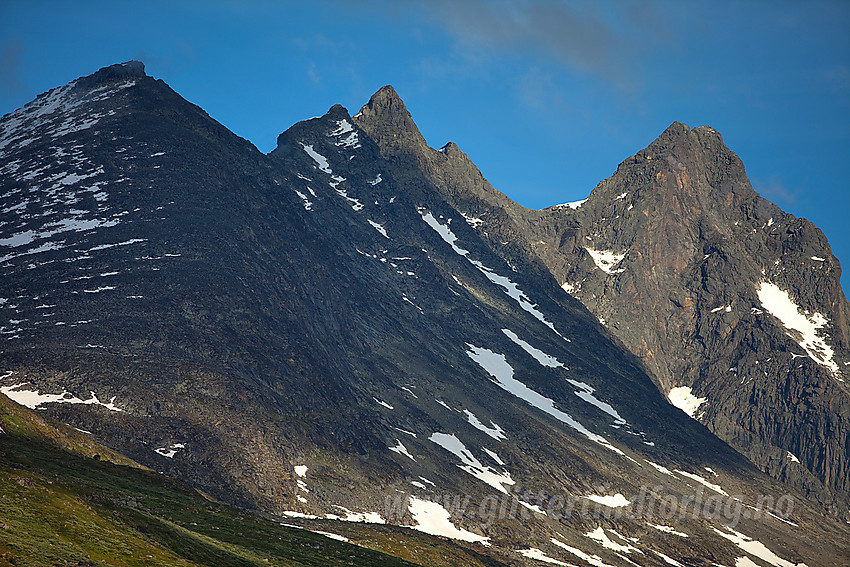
[[312, 74], [582, 36]]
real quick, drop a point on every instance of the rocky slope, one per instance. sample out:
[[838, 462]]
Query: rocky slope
[[66, 500], [734, 306], [323, 332]]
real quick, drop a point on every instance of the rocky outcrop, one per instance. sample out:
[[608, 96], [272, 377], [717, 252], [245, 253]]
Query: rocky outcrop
[[670, 254]]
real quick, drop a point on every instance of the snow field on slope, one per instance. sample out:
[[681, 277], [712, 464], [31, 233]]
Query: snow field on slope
[[471, 465], [779, 304], [503, 376], [33, 398], [432, 518], [682, 398], [508, 286]]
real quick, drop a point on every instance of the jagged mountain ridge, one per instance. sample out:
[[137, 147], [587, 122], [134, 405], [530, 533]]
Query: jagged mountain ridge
[[653, 252], [318, 328]]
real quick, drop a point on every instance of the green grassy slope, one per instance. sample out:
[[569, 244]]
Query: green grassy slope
[[65, 500]]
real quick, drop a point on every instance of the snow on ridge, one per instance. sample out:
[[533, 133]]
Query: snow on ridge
[[534, 553], [33, 398], [432, 518], [594, 560], [509, 287], [503, 376], [538, 355], [320, 160], [682, 398], [342, 127], [572, 205], [495, 432], [756, 548], [401, 450], [471, 465], [702, 481], [612, 501], [48, 109], [585, 392], [308, 205], [170, 451], [605, 260], [779, 304], [379, 227], [667, 529]]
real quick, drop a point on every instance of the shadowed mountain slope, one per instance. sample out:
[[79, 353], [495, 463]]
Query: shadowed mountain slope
[[325, 332]]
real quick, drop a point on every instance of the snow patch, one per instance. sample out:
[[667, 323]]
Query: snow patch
[[472, 221], [432, 518], [362, 517], [613, 501], [320, 160], [308, 205], [534, 553], [594, 560], [573, 204], [355, 203], [379, 227], [170, 451], [666, 529], [682, 398], [331, 535], [493, 455], [605, 260], [472, 465], [33, 399], [503, 376], [495, 432], [585, 392], [538, 355], [509, 287], [799, 325], [756, 548], [702, 481], [402, 450]]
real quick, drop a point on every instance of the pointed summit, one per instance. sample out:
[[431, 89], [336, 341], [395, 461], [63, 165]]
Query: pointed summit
[[119, 72], [386, 120]]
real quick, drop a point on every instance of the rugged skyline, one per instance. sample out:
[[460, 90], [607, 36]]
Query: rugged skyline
[[588, 83]]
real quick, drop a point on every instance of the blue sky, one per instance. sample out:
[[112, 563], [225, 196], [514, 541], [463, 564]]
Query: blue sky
[[546, 97]]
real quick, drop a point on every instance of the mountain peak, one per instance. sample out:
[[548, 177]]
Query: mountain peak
[[386, 120], [386, 97], [117, 72]]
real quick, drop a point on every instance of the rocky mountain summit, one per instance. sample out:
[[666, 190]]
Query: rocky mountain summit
[[337, 331], [734, 306]]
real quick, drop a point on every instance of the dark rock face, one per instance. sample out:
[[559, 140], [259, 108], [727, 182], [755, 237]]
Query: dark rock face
[[670, 254], [323, 327]]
